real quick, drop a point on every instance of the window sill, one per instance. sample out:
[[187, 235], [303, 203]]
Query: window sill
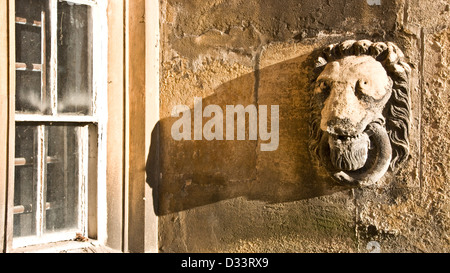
[[67, 247]]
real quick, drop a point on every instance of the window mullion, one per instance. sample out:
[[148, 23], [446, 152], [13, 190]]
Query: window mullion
[[83, 176], [53, 65], [66, 168], [40, 180], [43, 61]]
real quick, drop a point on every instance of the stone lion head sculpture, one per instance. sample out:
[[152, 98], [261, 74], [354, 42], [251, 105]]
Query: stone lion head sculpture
[[360, 110]]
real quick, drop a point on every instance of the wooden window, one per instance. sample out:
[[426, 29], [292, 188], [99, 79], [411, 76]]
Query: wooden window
[[59, 118]]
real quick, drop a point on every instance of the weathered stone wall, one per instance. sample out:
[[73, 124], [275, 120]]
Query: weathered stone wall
[[229, 196]]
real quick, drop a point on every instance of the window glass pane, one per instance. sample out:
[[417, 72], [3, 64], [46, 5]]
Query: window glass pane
[[30, 9], [50, 178], [25, 181], [28, 43], [30, 86], [28, 92], [74, 59], [63, 177]]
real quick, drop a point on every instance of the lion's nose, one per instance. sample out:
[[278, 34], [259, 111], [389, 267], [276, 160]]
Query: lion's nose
[[341, 127], [342, 112]]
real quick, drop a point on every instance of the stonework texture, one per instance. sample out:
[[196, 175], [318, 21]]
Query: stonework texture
[[229, 196]]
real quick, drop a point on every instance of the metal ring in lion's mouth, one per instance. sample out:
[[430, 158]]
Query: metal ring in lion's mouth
[[376, 165]]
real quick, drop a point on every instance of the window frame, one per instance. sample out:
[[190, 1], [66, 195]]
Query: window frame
[[94, 127], [125, 216]]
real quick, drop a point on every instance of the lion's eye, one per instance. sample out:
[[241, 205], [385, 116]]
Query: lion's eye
[[323, 87], [363, 90], [361, 85]]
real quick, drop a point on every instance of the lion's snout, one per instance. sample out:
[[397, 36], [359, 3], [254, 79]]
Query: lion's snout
[[343, 113]]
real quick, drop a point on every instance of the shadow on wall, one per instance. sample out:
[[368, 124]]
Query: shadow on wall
[[190, 173]]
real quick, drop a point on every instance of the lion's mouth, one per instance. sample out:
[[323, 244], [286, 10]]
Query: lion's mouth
[[349, 153], [360, 158]]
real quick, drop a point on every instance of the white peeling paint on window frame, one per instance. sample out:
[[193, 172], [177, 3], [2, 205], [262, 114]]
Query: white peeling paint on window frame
[[98, 118], [101, 110]]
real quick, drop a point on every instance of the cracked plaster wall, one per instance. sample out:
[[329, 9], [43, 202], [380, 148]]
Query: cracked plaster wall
[[228, 196]]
